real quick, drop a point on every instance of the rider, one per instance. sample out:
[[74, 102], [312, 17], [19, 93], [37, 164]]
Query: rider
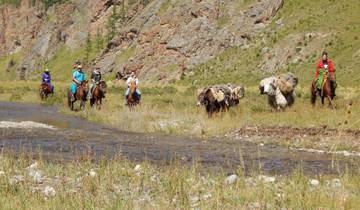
[[46, 78], [134, 78], [325, 63], [95, 78], [78, 78], [76, 64]]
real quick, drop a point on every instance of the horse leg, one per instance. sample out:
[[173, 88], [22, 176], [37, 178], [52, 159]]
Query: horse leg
[[322, 101], [69, 100], [331, 102], [92, 102], [82, 104], [99, 103], [313, 99]]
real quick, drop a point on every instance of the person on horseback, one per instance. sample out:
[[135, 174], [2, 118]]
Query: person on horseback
[[132, 78], [76, 64], [46, 79], [95, 79], [327, 65], [78, 77]]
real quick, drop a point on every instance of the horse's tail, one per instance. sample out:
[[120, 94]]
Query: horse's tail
[[313, 90], [69, 99]]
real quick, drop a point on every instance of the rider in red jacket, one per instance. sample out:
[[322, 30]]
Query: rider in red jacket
[[326, 63]]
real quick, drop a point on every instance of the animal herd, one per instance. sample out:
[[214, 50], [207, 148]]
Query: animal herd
[[280, 91]]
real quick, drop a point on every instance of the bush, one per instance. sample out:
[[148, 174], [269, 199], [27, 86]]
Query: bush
[[258, 109], [15, 97]]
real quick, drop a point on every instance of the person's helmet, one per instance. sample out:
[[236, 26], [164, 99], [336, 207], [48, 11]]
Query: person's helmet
[[47, 70], [97, 70]]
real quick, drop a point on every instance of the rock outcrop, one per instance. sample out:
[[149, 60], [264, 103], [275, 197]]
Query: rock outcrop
[[159, 40]]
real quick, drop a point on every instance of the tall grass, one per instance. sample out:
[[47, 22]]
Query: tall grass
[[118, 184], [172, 109]]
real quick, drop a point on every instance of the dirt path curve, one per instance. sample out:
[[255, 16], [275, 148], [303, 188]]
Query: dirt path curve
[[25, 127]]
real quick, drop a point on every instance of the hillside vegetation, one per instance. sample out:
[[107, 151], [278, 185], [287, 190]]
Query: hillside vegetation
[[290, 41]]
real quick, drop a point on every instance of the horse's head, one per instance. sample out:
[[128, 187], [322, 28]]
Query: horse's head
[[85, 86], [133, 86], [103, 86]]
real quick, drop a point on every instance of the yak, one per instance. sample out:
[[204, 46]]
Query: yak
[[280, 90], [220, 97]]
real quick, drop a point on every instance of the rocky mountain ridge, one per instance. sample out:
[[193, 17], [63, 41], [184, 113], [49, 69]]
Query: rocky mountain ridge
[[160, 38], [167, 40]]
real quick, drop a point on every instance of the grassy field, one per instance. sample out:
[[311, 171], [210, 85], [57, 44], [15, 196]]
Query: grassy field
[[172, 109], [119, 184]]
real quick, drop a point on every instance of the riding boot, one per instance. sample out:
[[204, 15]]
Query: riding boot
[[126, 100], [72, 97]]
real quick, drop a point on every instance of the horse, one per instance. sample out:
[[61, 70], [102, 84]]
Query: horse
[[133, 98], [81, 94], [44, 90], [324, 92], [98, 94]]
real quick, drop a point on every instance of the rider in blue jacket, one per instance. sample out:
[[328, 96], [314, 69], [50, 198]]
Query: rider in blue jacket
[[78, 77], [46, 78]]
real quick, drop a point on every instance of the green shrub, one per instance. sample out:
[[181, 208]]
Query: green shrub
[[258, 109], [15, 97]]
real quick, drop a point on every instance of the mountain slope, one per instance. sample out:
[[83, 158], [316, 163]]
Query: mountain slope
[[198, 42]]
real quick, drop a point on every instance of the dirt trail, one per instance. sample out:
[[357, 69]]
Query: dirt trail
[[74, 137]]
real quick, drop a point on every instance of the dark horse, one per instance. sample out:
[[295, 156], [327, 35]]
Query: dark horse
[[81, 94], [132, 98], [324, 92], [44, 90], [98, 94]]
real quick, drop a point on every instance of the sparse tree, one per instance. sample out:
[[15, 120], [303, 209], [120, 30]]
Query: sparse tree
[[88, 48], [99, 41], [111, 24]]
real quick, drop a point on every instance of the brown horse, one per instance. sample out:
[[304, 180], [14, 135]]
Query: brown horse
[[44, 91], [98, 94], [324, 92], [81, 94], [132, 99]]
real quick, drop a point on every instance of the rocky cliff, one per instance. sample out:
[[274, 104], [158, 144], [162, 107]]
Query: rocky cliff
[[159, 39], [163, 40]]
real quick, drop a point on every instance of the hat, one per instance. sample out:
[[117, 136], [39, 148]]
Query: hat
[[47, 70], [79, 66], [325, 53]]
